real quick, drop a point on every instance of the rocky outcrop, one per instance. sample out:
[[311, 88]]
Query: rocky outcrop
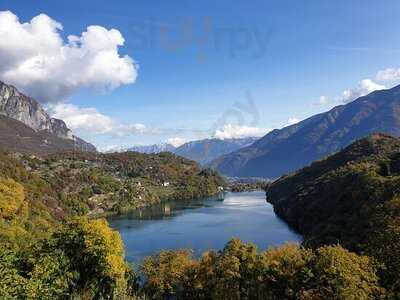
[[15, 136], [15, 105]]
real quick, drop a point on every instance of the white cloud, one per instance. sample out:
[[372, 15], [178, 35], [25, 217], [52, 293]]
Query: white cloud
[[322, 101], [292, 120], [229, 131], [364, 87], [390, 75], [86, 119], [176, 141], [35, 58], [89, 121]]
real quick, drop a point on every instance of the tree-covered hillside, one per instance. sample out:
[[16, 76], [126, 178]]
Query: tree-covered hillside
[[50, 250], [351, 198], [48, 247], [84, 183]]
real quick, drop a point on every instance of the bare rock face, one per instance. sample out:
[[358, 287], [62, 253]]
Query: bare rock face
[[59, 128], [15, 105]]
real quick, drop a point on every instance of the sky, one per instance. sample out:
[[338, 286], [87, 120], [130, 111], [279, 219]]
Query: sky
[[123, 73]]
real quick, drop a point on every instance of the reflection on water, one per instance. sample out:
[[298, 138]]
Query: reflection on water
[[201, 224], [166, 210]]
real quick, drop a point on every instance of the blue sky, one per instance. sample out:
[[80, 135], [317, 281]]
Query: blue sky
[[284, 55]]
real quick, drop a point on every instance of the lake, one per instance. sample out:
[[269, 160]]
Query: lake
[[202, 224]]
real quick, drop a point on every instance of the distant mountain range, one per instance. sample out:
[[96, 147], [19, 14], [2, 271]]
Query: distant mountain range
[[26, 127], [285, 150], [202, 151], [153, 149]]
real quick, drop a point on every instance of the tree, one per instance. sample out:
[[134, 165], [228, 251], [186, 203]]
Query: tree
[[50, 276], [96, 255], [384, 241], [240, 272], [284, 272], [340, 274], [12, 200], [166, 274], [13, 212], [236, 270], [11, 282]]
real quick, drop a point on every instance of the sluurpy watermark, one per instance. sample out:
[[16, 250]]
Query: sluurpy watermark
[[240, 114], [243, 113], [248, 42]]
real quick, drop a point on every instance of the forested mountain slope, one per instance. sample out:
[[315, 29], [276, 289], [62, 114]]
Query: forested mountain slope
[[351, 198], [287, 149]]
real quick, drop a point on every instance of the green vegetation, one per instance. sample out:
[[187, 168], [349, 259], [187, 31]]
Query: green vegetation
[[350, 198], [71, 184], [347, 207], [239, 271], [43, 258], [81, 259], [238, 186], [49, 248]]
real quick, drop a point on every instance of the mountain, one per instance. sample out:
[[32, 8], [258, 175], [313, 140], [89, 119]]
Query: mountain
[[34, 129], [351, 198], [201, 151], [15, 136], [152, 149], [285, 150], [335, 200], [204, 151]]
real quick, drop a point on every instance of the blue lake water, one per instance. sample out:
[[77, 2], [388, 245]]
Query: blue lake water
[[201, 225]]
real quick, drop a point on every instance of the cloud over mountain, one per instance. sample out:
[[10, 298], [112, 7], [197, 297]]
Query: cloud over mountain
[[363, 88], [229, 131], [89, 121], [35, 57], [176, 141]]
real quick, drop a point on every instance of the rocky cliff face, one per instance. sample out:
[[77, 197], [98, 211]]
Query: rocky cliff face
[[15, 105]]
